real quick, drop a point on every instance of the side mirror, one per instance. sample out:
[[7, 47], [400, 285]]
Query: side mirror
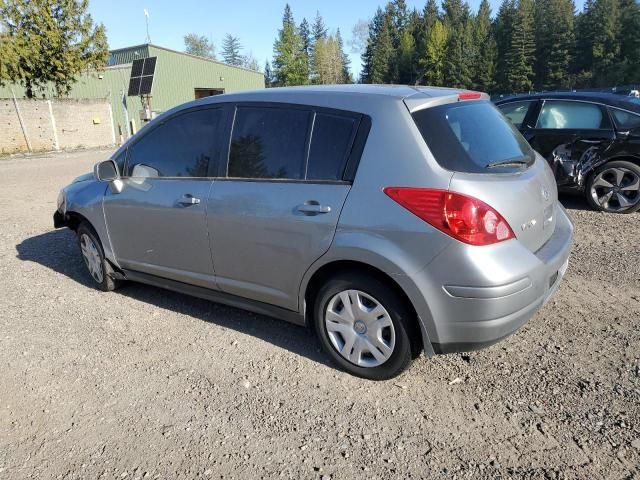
[[107, 171]]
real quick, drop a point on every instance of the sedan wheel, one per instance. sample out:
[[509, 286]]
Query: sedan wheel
[[91, 257], [360, 328], [616, 188]]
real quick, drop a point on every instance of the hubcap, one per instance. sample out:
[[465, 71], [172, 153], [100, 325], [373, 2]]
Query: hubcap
[[616, 189], [91, 257], [360, 328]]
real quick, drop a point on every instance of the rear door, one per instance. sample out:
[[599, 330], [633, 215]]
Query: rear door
[[157, 224], [570, 133], [276, 209]]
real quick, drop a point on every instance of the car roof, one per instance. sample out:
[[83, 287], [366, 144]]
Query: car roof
[[612, 99]]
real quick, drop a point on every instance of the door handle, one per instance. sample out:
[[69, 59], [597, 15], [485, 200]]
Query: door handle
[[188, 199], [584, 140], [313, 208]]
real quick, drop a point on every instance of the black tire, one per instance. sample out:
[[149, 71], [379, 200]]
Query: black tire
[[399, 314], [631, 169], [108, 283]]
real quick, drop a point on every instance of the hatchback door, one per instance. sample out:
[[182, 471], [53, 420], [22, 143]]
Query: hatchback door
[[493, 163], [570, 135], [276, 211], [157, 223]]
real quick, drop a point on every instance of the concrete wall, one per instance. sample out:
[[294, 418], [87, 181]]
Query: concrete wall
[[41, 125]]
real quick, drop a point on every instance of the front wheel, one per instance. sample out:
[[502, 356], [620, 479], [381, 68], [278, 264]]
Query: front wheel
[[615, 187], [93, 256], [363, 326]]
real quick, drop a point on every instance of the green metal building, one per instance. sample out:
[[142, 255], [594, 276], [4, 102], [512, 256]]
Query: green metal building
[[179, 78]]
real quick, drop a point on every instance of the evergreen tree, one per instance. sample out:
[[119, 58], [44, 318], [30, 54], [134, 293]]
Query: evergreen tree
[[434, 55], [555, 43], [319, 29], [484, 65], [375, 28], [521, 50], [49, 41], [628, 68], [289, 62], [269, 80], [231, 50], [328, 59], [307, 45], [344, 59], [383, 53], [407, 73], [199, 45], [457, 68]]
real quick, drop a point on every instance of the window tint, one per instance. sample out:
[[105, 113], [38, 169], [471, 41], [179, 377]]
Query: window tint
[[269, 142], [625, 120], [565, 115], [331, 143], [516, 111], [181, 147], [467, 136]]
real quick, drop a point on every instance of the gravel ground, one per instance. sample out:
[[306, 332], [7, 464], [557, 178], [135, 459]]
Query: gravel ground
[[145, 383]]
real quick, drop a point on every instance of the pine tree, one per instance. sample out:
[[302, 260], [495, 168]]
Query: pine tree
[[383, 53], [521, 52], [375, 28], [268, 75], [231, 50], [344, 59], [457, 69], [503, 28], [628, 68], [50, 41], [484, 65], [435, 54], [319, 29], [407, 73], [307, 45], [289, 62]]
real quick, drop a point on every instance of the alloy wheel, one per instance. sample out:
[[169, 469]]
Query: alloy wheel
[[360, 328], [91, 257], [616, 189]]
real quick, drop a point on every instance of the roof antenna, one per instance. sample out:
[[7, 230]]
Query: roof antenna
[[146, 18]]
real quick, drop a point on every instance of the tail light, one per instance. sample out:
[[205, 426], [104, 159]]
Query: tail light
[[464, 218], [469, 96]]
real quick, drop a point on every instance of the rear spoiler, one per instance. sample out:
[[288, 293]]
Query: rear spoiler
[[432, 97]]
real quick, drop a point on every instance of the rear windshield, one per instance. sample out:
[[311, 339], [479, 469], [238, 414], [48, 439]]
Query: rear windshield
[[473, 137]]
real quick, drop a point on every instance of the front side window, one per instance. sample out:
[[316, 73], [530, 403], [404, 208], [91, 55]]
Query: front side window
[[516, 112], [625, 120], [180, 147], [572, 115], [269, 142]]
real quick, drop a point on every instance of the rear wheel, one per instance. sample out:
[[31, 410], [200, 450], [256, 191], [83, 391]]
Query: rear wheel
[[363, 326], [93, 255], [615, 187]]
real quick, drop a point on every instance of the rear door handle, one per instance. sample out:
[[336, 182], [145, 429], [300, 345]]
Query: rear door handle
[[585, 140], [313, 208], [188, 199]]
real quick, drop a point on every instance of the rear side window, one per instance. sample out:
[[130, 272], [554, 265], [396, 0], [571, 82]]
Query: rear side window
[[269, 142], [331, 143], [468, 136], [572, 115], [625, 120], [180, 147], [516, 112]]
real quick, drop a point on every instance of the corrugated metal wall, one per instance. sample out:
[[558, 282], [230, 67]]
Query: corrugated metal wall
[[177, 77]]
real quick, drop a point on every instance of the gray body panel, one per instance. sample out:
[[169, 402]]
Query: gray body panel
[[246, 244]]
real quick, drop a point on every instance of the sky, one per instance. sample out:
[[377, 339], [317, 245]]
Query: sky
[[255, 22]]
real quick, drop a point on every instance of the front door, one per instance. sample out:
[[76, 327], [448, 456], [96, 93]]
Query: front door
[[276, 211], [157, 224], [570, 135]]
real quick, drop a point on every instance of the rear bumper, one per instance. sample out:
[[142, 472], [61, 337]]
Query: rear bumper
[[476, 296]]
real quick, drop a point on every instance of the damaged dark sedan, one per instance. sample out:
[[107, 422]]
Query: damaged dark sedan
[[591, 140]]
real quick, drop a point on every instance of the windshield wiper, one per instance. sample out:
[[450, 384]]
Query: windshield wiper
[[511, 162]]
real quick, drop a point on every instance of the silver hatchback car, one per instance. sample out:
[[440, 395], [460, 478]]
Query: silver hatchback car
[[392, 219]]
